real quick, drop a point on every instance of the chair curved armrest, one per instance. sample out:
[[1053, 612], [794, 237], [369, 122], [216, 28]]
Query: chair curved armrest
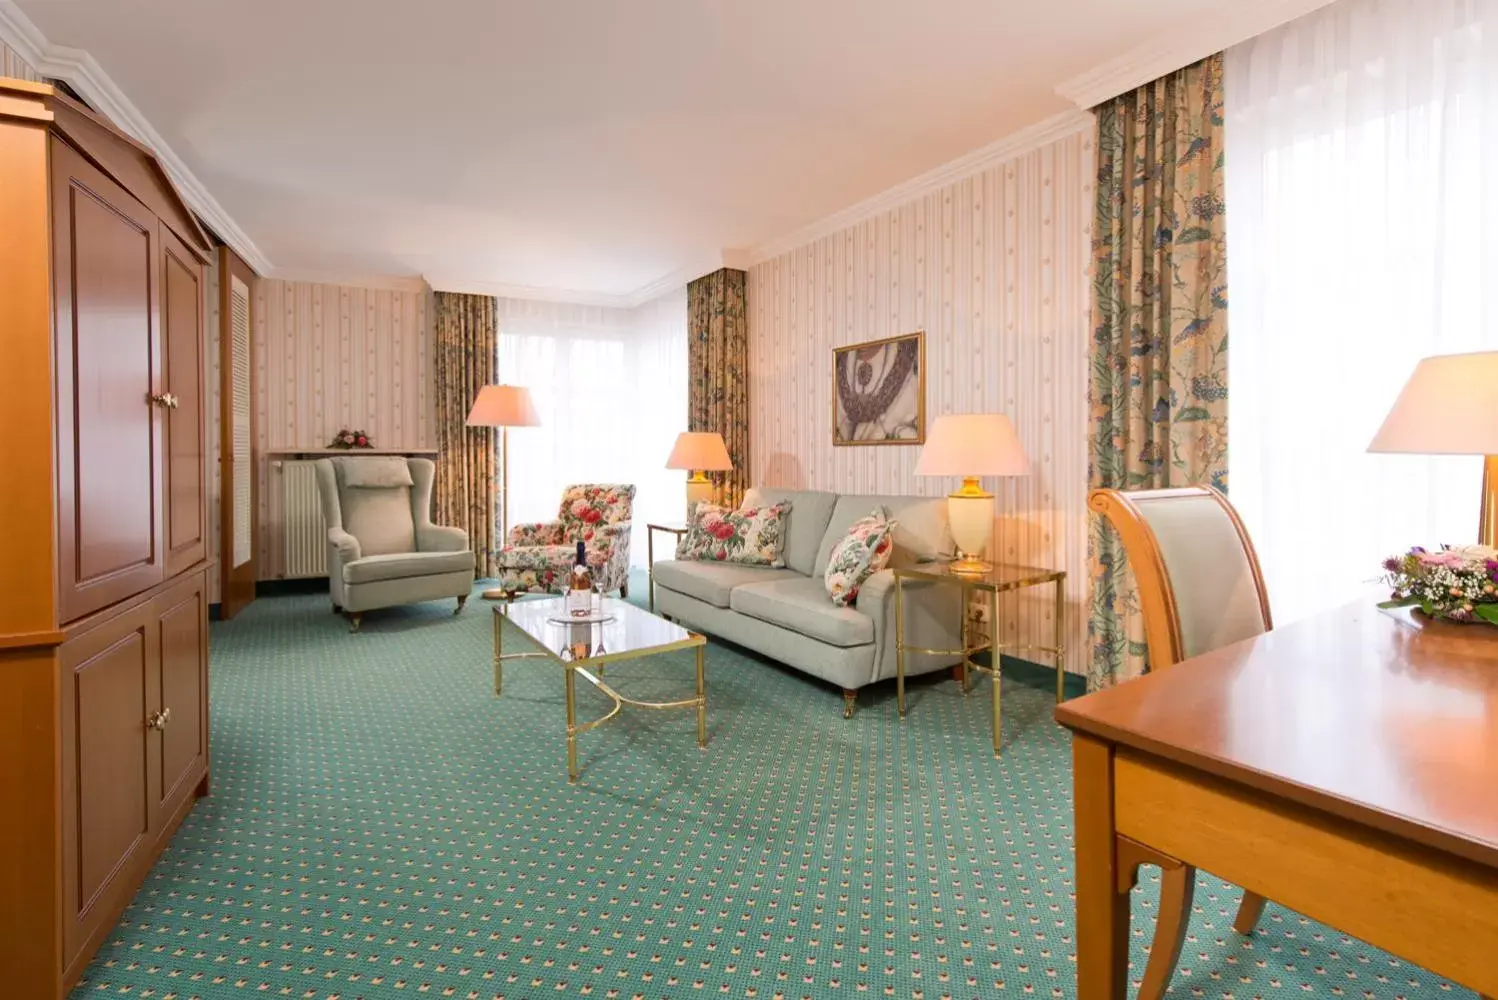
[[346, 544], [535, 533], [440, 538]]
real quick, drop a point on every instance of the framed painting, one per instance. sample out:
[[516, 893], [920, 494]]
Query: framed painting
[[879, 391]]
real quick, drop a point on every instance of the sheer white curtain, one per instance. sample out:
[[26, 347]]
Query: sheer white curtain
[[1362, 153], [610, 386]]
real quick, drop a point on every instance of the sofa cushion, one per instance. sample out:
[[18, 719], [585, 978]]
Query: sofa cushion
[[864, 550], [802, 605], [923, 531], [711, 582], [750, 536], [404, 565], [810, 510]]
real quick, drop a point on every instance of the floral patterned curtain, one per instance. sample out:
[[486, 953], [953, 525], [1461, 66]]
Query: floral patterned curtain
[[718, 372], [1158, 391], [467, 481]]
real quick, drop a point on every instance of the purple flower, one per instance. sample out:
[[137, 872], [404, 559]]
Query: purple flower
[[1393, 564]]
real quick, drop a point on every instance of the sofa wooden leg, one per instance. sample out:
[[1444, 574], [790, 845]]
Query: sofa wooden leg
[[624, 591], [355, 619], [850, 701], [337, 608], [461, 601]]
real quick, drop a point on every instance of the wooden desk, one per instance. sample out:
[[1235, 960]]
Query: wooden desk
[[1345, 766]]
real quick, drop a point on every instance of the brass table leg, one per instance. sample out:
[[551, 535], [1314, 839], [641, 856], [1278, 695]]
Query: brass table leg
[[650, 567], [701, 700], [995, 674], [499, 670], [1060, 639], [966, 634], [570, 682], [899, 646]]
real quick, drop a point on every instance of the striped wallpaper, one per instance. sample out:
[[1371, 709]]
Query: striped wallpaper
[[994, 269], [12, 65], [333, 356]]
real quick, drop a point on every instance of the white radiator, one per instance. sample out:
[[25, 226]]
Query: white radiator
[[304, 533]]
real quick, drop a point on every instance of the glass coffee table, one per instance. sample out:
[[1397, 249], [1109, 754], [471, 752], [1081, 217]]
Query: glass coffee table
[[584, 649]]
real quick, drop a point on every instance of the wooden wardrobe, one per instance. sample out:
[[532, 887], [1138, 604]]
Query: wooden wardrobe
[[103, 529]]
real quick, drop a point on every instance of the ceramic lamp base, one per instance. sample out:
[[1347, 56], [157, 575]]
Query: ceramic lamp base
[[970, 511], [699, 490]]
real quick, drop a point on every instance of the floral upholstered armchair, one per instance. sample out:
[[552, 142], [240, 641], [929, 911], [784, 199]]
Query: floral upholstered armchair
[[537, 558]]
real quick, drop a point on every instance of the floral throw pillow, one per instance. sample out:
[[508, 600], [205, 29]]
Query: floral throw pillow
[[750, 536], [864, 551]]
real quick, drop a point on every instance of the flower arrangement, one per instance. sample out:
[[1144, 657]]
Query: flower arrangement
[[1455, 582], [350, 439]]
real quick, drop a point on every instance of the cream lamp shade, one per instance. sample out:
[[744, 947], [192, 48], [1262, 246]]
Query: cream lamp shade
[[1449, 406], [699, 452], [971, 445], [503, 406]]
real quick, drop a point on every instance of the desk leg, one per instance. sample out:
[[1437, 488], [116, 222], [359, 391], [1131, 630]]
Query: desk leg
[[900, 645], [1102, 910], [1059, 639], [994, 665]]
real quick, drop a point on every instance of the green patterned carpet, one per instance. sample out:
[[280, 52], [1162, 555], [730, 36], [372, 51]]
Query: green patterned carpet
[[381, 826]]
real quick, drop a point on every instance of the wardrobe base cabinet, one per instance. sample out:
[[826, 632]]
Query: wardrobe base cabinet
[[103, 563]]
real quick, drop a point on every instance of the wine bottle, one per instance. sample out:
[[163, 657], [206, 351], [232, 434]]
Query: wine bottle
[[580, 586]]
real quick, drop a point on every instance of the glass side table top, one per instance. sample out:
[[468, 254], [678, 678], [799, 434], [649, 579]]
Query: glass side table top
[[630, 633], [999, 576]]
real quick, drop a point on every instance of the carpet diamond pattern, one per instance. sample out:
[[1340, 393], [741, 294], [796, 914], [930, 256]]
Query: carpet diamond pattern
[[382, 826]]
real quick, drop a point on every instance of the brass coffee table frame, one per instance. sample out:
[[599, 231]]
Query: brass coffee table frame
[[995, 581], [574, 666]]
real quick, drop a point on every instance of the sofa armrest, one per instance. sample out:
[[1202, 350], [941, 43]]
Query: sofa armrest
[[439, 538], [346, 544], [933, 619], [535, 533]]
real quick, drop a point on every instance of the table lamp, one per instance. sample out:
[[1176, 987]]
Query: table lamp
[[699, 452], [503, 406], [1449, 406], [971, 445]]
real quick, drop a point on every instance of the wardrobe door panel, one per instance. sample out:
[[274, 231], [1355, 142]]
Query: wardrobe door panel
[[182, 353], [108, 798], [107, 375], [181, 621]]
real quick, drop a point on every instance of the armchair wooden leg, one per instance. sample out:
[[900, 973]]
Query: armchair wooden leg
[[1177, 889], [850, 701], [337, 608], [624, 591], [461, 601], [355, 619], [1249, 912]]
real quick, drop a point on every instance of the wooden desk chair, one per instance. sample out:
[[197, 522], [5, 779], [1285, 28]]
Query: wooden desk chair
[[1199, 589]]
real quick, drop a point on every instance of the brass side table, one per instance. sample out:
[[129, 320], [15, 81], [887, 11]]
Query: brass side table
[[650, 530], [999, 578], [583, 649]]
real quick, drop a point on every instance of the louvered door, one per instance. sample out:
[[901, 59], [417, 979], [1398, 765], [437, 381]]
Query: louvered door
[[237, 467]]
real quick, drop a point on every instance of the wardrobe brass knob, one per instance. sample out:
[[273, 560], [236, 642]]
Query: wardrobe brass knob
[[158, 720]]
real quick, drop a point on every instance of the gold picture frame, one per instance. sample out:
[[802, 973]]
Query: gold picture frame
[[867, 409]]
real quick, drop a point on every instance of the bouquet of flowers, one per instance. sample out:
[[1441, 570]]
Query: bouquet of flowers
[[350, 439], [1456, 582]]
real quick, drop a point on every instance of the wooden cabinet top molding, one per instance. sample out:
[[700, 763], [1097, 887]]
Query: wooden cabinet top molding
[[126, 161]]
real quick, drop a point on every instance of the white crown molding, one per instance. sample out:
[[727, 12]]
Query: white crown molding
[[1195, 39], [499, 289], [1015, 144], [84, 74], [382, 282]]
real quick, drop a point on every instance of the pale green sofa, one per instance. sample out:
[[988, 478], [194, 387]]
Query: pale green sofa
[[785, 614], [383, 549]]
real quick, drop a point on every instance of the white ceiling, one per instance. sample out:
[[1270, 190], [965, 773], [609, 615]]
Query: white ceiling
[[594, 146]]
